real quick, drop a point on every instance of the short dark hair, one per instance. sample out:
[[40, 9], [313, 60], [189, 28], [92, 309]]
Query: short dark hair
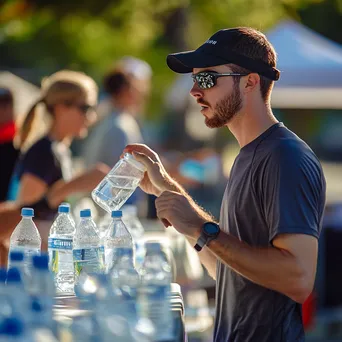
[[6, 96], [115, 81], [254, 44]]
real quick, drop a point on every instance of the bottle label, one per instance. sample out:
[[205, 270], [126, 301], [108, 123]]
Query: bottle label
[[89, 260], [60, 243], [54, 246]]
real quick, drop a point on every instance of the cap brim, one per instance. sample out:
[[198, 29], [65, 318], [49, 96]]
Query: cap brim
[[184, 62]]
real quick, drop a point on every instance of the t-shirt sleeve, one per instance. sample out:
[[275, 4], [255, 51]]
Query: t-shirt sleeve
[[293, 191], [40, 162]]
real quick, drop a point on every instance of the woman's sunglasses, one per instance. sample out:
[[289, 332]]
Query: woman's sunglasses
[[208, 79], [83, 108]]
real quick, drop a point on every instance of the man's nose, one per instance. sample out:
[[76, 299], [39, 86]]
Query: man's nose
[[196, 91]]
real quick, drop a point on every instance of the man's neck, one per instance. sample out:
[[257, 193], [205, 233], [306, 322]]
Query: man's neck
[[248, 125]]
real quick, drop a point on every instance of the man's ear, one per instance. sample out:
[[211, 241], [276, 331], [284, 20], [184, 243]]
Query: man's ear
[[252, 81]]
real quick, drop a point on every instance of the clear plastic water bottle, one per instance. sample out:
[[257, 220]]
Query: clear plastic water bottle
[[88, 252], [16, 260], [16, 294], [42, 287], [5, 306], [124, 275], [117, 237], [26, 238], [119, 184], [103, 225], [154, 301], [60, 251], [132, 222]]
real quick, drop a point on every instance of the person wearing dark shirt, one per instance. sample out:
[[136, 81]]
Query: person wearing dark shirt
[[43, 175], [8, 153], [263, 251]]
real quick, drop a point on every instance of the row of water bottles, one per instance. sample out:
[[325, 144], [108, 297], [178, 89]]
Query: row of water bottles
[[26, 303], [100, 266]]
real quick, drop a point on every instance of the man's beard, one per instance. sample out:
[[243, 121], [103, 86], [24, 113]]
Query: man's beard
[[226, 109]]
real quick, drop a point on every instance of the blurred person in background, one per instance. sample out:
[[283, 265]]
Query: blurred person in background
[[263, 252], [43, 175], [8, 153], [127, 93]]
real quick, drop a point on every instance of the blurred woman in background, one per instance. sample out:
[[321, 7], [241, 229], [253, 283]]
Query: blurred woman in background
[[44, 175]]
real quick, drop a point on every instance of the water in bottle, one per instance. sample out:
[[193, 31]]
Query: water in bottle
[[117, 237], [26, 238], [119, 184], [16, 260], [42, 289], [16, 294], [132, 222], [5, 305], [60, 251], [154, 301], [87, 249], [103, 226]]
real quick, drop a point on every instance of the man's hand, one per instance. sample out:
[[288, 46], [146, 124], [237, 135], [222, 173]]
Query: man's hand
[[175, 208], [156, 179]]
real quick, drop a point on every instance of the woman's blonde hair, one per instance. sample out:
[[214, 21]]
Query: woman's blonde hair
[[62, 87]]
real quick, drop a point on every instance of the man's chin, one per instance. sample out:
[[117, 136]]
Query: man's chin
[[213, 123]]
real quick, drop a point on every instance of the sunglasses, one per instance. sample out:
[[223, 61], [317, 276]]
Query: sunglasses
[[208, 79], [83, 108]]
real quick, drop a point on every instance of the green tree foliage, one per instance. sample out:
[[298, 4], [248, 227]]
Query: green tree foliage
[[90, 35]]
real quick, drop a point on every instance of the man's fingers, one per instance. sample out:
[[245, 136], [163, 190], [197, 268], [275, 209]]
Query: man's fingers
[[144, 159], [141, 148]]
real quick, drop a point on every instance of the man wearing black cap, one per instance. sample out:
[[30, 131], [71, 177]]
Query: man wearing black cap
[[263, 252]]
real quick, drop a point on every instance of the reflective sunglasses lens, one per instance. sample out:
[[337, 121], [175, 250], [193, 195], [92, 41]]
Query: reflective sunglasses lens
[[205, 80]]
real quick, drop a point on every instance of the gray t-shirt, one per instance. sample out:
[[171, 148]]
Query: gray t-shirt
[[276, 186]]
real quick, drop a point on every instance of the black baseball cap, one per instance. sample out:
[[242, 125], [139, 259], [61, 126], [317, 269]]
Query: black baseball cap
[[217, 50]]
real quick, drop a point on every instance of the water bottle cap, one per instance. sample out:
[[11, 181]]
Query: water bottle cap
[[13, 275], [16, 256], [27, 212], [12, 326], [134, 162], [41, 261], [64, 208], [153, 246], [3, 275], [36, 306], [125, 251], [85, 213], [117, 213]]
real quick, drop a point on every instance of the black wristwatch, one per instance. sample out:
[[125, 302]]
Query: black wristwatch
[[210, 231]]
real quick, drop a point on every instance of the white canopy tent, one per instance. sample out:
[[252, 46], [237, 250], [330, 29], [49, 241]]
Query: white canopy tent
[[311, 68], [24, 93]]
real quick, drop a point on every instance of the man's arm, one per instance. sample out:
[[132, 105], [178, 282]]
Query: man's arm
[[288, 267]]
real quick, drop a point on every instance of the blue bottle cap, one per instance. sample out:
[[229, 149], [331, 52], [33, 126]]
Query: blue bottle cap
[[13, 275], [27, 212], [63, 208], [36, 305], [85, 213], [153, 246], [16, 256], [3, 275], [117, 213], [12, 326], [41, 261]]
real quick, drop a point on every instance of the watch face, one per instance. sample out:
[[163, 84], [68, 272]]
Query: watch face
[[211, 228]]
